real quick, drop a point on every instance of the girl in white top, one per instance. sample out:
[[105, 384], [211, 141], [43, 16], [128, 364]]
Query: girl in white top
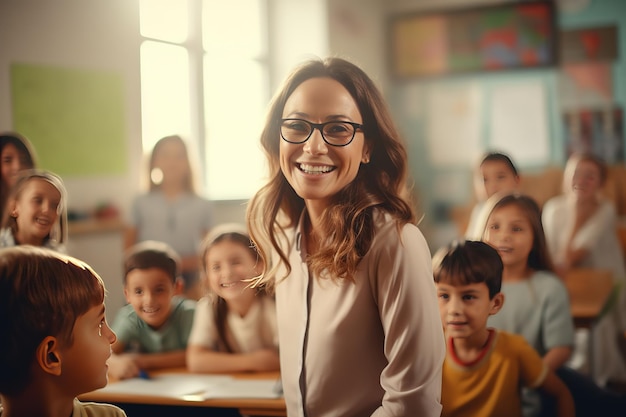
[[581, 231], [580, 224], [234, 327]]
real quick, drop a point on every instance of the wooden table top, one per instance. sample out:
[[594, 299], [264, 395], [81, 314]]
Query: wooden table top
[[246, 406]]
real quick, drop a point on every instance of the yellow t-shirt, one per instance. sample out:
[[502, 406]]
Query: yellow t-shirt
[[490, 387]]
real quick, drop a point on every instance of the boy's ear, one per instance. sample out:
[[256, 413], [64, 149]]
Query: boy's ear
[[496, 303], [179, 286], [13, 207], [48, 356], [126, 294]]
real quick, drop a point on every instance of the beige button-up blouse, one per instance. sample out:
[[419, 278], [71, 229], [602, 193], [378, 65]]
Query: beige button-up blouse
[[372, 347]]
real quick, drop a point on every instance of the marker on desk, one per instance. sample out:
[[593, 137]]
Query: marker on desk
[[143, 374]]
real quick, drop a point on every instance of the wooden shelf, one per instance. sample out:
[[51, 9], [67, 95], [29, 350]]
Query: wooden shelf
[[93, 226]]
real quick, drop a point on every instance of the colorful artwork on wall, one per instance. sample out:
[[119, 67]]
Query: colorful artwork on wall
[[505, 36]]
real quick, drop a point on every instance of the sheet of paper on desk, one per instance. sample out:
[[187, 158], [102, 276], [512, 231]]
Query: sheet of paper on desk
[[169, 385], [194, 387], [244, 388]]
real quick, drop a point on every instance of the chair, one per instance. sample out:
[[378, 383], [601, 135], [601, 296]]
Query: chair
[[592, 292]]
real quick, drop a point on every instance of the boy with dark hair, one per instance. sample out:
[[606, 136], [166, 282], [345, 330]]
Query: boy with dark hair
[[55, 340], [484, 367], [152, 330]]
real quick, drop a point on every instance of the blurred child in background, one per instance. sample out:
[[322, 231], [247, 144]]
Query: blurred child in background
[[16, 154], [152, 330], [580, 227], [235, 325], [172, 211], [496, 173], [36, 212]]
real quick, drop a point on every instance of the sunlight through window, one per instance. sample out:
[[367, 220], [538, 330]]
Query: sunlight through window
[[166, 20], [231, 85], [164, 92], [236, 95]]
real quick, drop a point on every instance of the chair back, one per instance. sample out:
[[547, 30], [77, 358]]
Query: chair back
[[593, 292]]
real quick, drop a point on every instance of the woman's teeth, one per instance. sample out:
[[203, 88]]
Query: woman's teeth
[[315, 169]]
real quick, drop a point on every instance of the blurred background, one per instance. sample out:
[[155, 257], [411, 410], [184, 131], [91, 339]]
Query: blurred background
[[94, 84]]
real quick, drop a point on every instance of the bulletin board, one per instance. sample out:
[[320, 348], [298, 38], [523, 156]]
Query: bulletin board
[[485, 38], [73, 117]]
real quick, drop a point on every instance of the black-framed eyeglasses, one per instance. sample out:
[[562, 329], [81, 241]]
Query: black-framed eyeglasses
[[334, 133]]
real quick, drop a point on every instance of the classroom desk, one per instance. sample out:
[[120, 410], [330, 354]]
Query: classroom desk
[[246, 406], [589, 290]]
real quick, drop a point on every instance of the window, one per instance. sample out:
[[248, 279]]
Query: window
[[204, 75]]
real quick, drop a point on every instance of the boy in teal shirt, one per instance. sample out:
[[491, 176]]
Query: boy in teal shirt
[[154, 327]]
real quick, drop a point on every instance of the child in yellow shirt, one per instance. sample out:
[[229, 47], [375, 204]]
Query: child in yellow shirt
[[484, 368]]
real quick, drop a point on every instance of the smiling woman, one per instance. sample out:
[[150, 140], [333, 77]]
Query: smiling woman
[[335, 227]]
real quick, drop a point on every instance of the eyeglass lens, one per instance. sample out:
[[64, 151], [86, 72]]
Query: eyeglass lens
[[335, 133]]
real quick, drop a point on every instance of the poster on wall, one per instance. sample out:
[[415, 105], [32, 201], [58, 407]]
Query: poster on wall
[[454, 143], [485, 38], [589, 44], [596, 131], [586, 85], [73, 117]]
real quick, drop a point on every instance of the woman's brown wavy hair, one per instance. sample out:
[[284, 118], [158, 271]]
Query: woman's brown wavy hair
[[349, 221]]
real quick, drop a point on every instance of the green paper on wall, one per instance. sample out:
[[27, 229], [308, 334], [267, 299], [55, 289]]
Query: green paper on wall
[[73, 117]]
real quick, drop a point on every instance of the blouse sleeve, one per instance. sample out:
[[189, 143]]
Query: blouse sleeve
[[414, 342], [203, 332]]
